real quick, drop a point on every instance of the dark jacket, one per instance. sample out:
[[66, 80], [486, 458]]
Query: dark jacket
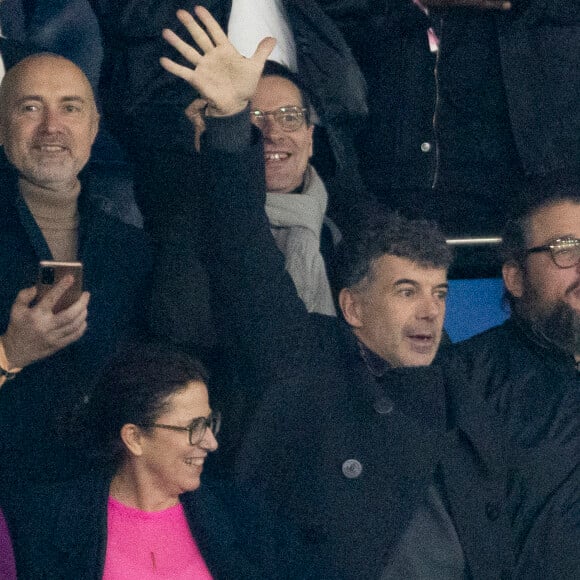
[[13, 51], [347, 458], [396, 142], [508, 85], [535, 389], [60, 533], [38, 405]]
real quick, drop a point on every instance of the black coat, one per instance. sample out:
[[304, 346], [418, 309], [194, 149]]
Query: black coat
[[348, 460], [535, 389], [13, 51], [39, 404], [60, 532]]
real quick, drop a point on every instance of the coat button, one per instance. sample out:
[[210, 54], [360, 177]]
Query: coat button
[[383, 406], [426, 147], [351, 468], [491, 511]]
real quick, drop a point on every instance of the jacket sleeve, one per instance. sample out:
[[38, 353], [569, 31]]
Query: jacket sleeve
[[256, 297]]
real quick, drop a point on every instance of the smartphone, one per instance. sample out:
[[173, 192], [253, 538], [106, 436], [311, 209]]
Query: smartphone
[[50, 273]]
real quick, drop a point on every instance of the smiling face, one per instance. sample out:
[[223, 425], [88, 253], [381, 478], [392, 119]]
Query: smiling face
[[48, 120], [166, 462], [549, 296], [398, 313], [286, 153]]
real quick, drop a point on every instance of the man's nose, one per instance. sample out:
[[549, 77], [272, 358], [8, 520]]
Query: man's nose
[[430, 308], [270, 128], [50, 120]]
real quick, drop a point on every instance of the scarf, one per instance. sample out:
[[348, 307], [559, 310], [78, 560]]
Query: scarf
[[296, 222]]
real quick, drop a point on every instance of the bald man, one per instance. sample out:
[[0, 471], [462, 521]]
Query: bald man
[[48, 123]]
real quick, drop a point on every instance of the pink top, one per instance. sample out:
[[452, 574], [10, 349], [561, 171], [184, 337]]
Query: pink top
[[151, 545], [7, 568]]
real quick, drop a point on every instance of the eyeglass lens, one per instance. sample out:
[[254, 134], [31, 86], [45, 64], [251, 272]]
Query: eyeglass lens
[[566, 254], [288, 118], [198, 428]]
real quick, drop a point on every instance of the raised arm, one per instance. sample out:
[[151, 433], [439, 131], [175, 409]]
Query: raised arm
[[257, 299]]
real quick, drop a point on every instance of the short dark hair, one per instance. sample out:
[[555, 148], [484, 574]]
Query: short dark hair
[[134, 389], [275, 69], [536, 195], [420, 241]]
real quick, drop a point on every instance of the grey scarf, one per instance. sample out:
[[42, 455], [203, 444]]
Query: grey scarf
[[296, 222]]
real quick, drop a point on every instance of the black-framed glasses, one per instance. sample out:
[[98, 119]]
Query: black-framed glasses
[[197, 428], [565, 252], [288, 118]]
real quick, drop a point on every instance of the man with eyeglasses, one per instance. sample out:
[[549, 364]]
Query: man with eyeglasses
[[540, 344], [529, 367], [296, 198], [390, 467]]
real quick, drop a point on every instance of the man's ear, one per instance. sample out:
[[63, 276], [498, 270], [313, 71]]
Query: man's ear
[[311, 146], [350, 305], [96, 122], [513, 278], [132, 436]]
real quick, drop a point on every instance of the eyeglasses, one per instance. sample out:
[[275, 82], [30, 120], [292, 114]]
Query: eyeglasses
[[288, 118], [197, 427], [565, 252]]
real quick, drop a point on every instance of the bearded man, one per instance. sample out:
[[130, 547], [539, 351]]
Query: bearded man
[[529, 367]]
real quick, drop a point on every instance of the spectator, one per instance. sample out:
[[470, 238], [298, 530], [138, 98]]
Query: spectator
[[48, 121], [296, 197], [145, 513], [396, 143], [373, 453], [143, 106], [529, 366]]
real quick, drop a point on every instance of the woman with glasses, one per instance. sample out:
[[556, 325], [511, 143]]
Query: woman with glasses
[[142, 512]]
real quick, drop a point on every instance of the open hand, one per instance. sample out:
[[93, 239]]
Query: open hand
[[35, 332], [223, 77]]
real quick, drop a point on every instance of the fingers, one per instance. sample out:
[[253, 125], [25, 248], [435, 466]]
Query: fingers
[[186, 50], [68, 332], [198, 34], [264, 50], [176, 69], [211, 25], [36, 332], [194, 114], [25, 296], [51, 298]]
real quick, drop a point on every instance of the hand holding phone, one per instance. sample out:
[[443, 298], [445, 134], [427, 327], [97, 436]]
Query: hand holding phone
[[51, 273], [47, 317]]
